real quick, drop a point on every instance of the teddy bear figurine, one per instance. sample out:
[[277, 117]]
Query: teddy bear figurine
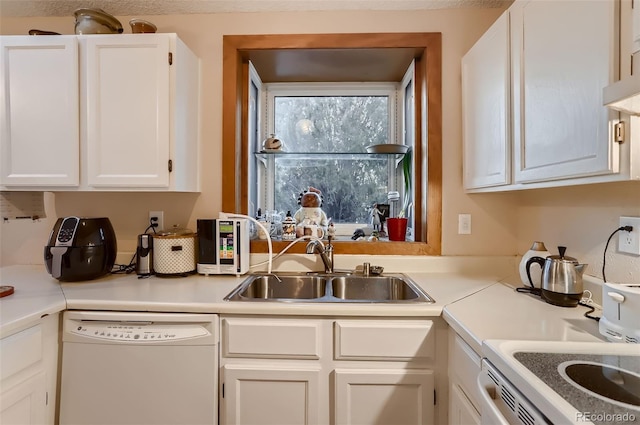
[[310, 216]]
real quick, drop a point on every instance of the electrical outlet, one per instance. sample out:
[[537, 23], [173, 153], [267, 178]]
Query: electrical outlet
[[464, 224], [629, 242], [160, 216]]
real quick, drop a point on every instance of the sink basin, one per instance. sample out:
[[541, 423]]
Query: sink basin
[[338, 288], [378, 288], [270, 287]]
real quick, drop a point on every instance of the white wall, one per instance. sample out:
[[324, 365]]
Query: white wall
[[502, 223]]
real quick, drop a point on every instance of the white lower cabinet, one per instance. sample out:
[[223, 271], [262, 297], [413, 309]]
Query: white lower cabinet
[[384, 396], [256, 395], [28, 374], [464, 367], [278, 370], [25, 403], [462, 411]]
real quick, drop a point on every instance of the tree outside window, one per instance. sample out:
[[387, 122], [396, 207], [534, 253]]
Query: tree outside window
[[336, 126]]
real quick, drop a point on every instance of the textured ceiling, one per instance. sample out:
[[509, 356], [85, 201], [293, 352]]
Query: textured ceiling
[[24, 8]]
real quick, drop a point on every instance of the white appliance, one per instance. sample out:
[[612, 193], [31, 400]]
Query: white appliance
[[174, 252], [139, 368], [559, 382], [620, 320], [223, 246], [501, 403]]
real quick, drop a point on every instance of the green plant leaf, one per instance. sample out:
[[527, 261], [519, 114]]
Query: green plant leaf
[[406, 172]]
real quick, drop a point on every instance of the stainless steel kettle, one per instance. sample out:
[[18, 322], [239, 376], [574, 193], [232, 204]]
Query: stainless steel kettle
[[561, 278]]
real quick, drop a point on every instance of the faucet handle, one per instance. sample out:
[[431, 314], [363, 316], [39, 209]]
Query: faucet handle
[[376, 270], [366, 269]]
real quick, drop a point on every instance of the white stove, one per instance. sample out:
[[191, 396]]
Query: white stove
[[538, 382]]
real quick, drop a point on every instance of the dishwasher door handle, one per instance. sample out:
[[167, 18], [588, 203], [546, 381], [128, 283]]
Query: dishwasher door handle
[[490, 413]]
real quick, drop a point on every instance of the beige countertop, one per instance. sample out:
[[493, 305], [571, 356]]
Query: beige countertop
[[446, 279], [472, 294], [36, 294], [500, 312], [199, 294]]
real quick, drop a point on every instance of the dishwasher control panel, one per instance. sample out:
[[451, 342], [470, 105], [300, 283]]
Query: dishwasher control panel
[[139, 332]]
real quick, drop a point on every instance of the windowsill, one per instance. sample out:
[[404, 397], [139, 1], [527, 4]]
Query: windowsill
[[381, 247]]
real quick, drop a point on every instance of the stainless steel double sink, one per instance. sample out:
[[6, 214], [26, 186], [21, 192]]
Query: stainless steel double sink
[[324, 288]]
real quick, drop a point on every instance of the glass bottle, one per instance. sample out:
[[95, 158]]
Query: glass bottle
[[288, 227]]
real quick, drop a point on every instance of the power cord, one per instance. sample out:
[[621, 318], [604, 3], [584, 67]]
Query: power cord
[[153, 223], [528, 290], [604, 254], [587, 302], [131, 267]]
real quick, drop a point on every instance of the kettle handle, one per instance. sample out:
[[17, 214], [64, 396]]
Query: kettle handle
[[530, 261]]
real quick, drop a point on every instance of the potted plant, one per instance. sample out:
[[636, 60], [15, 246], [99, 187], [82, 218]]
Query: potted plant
[[397, 226]]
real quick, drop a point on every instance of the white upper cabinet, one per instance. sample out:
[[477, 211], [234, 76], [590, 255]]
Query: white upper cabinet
[[126, 130], [563, 56], [635, 27], [39, 103], [486, 108], [136, 127], [533, 112]]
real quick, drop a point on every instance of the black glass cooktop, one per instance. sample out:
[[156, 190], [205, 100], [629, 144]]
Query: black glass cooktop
[[604, 389]]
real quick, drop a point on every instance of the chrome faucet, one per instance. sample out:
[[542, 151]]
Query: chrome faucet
[[315, 246]]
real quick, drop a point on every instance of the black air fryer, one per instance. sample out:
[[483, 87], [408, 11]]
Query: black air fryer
[[80, 249]]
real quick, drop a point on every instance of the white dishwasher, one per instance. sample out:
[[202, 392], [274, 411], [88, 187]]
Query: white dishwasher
[[139, 368]]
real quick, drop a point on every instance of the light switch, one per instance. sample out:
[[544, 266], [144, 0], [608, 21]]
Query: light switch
[[464, 224]]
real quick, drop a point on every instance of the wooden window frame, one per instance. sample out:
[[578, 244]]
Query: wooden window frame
[[428, 129]]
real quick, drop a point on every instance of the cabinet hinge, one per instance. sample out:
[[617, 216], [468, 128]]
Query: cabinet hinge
[[222, 390], [618, 132], [46, 398], [435, 399], [170, 165], [170, 58]]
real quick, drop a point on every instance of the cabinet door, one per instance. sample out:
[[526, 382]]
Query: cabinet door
[[486, 109], [25, 403], [635, 27], [461, 411], [39, 107], [562, 56], [127, 131], [264, 395], [383, 396]]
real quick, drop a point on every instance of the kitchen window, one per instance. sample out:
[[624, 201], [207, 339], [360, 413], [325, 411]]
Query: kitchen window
[[325, 128], [352, 58]]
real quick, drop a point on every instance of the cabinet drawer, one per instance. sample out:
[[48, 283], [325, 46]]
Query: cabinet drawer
[[271, 338], [395, 340], [464, 364], [19, 351]]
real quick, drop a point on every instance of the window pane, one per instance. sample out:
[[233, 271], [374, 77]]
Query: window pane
[[349, 186], [332, 124]]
